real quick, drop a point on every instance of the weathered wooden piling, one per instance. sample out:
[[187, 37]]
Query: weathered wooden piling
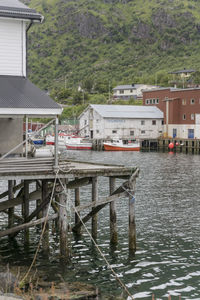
[[45, 198], [113, 218], [68, 175], [25, 209], [77, 203], [11, 209], [132, 226], [63, 223], [94, 199]]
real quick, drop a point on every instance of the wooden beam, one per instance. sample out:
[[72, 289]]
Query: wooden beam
[[78, 182], [18, 200], [15, 188], [113, 217], [26, 225], [97, 207], [94, 199]]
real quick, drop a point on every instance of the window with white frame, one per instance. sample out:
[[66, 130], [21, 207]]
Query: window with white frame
[[114, 131], [157, 100], [132, 132], [192, 101], [142, 122], [183, 101], [142, 131], [192, 116], [184, 116], [153, 122], [147, 101], [121, 91]]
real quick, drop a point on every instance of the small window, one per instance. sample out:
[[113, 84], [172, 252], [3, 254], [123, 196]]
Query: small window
[[157, 100], [142, 131], [154, 101], [153, 122], [184, 116], [142, 122], [183, 101], [147, 101], [85, 122], [131, 132], [150, 101], [97, 120], [97, 131], [192, 101], [121, 91], [114, 131], [162, 122], [131, 91], [192, 116], [85, 131]]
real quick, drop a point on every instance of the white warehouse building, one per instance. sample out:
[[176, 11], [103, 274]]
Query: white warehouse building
[[121, 121]]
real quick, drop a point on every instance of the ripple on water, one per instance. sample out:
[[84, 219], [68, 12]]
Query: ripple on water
[[167, 220]]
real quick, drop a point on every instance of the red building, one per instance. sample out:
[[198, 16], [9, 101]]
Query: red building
[[181, 108]]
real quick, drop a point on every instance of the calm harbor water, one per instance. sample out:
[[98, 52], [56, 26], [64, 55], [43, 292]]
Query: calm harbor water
[[167, 260]]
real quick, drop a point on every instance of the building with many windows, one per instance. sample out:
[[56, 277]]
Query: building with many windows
[[181, 108], [121, 121]]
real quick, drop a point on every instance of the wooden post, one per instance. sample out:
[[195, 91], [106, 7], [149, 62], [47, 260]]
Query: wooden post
[[63, 228], [132, 227], [113, 223], [11, 209], [77, 203], [45, 238], [26, 209], [94, 199]]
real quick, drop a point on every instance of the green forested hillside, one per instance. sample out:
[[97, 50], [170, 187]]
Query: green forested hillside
[[109, 42]]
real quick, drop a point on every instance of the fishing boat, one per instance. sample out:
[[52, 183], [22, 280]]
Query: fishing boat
[[122, 145], [78, 143], [62, 139], [37, 140]]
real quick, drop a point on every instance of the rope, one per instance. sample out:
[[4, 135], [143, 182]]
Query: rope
[[96, 245], [43, 229]]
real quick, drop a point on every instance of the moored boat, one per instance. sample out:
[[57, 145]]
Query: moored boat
[[79, 143], [121, 145]]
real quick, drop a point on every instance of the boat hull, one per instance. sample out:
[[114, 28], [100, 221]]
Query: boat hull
[[79, 147], [108, 147]]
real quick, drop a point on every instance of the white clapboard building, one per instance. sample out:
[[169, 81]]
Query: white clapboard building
[[19, 98], [121, 121]]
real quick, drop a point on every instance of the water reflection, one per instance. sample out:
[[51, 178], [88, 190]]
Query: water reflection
[[167, 220]]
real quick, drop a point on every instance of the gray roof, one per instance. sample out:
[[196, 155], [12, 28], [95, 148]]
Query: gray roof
[[128, 111], [131, 86], [16, 9], [20, 93]]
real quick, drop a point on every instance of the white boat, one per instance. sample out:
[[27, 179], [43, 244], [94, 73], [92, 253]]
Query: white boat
[[62, 139], [78, 143], [122, 145]]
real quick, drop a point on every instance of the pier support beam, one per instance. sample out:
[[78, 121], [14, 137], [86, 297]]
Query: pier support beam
[[113, 218], [94, 199], [11, 209], [77, 203], [132, 226], [45, 238], [63, 225], [25, 210]]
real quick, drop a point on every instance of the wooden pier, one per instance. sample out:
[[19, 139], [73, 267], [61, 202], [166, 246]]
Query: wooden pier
[[180, 145], [51, 185]]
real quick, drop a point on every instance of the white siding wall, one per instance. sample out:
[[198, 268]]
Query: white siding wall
[[103, 128], [12, 47], [182, 130]]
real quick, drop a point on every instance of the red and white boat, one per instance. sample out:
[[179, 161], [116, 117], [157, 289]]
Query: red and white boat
[[122, 145], [62, 139], [78, 143]]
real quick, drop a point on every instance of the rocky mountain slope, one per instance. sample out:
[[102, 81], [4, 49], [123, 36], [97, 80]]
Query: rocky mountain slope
[[112, 41]]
